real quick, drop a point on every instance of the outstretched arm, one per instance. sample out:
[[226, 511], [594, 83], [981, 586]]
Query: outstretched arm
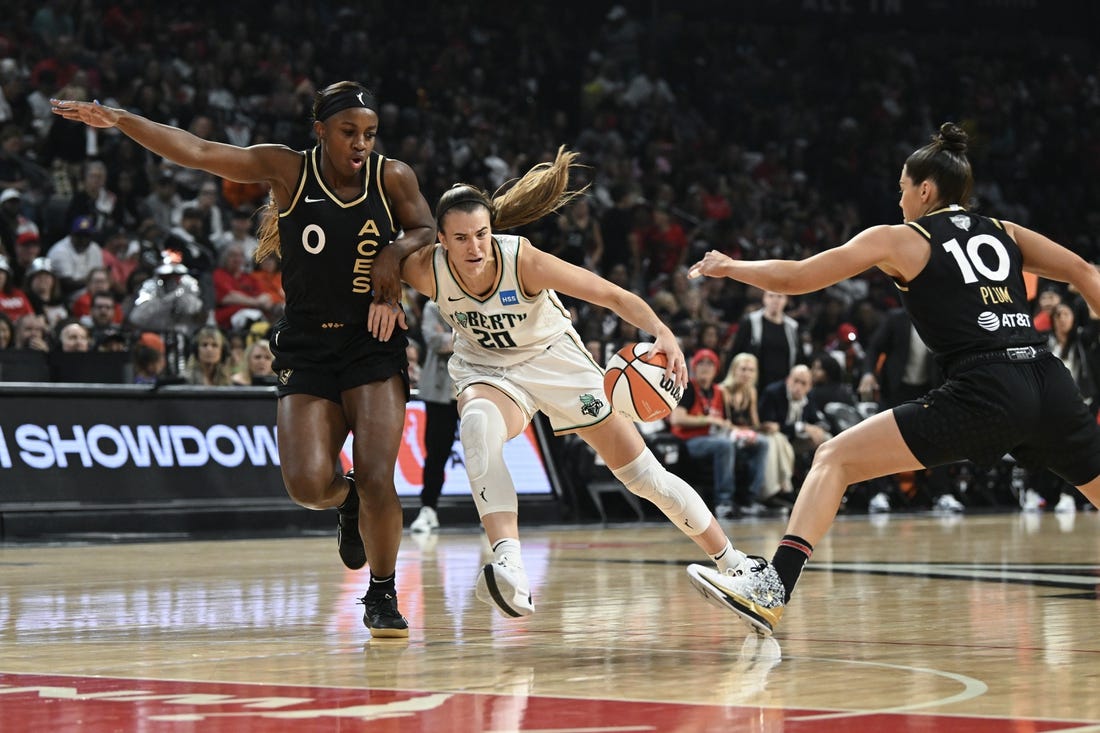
[[277, 164], [542, 271], [871, 247]]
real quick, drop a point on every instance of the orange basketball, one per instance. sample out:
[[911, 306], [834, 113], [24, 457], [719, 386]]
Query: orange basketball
[[634, 381]]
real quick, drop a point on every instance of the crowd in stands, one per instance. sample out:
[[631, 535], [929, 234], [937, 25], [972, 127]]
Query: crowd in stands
[[698, 131]]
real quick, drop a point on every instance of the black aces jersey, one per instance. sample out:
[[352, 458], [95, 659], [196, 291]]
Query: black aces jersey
[[970, 297], [329, 245]]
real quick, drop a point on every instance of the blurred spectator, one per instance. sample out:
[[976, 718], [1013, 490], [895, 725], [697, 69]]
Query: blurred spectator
[[1050, 295], [43, 290], [73, 336], [897, 365], [110, 339], [578, 239], [772, 336], [269, 275], [237, 342], [169, 303], [74, 256], [32, 332], [238, 297], [13, 301], [162, 203], [208, 210], [739, 389], [28, 247], [93, 200], [255, 368], [195, 252], [148, 360], [240, 234], [18, 170], [662, 245], [794, 424], [11, 202], [7, 332], [829, 384], [700, 421], [208, 363], [98, 282], [105, 316], [1065, 341], [121, 254]]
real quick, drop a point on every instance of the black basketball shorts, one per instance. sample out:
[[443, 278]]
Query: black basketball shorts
[[1032, 410], [326, 362]]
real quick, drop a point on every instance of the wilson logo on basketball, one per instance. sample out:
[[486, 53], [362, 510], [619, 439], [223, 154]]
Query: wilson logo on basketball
[[635, 383]]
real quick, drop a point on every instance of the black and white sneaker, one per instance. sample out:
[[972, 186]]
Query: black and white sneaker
[[381, 616], [752, 590]]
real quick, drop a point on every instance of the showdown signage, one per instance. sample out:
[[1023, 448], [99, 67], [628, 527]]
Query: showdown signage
[[120, 444]]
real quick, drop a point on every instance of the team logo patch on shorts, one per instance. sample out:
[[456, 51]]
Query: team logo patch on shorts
[[284, 376], [509, 297], [591, 405]]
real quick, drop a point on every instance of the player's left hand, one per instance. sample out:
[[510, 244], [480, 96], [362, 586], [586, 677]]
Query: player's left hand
[[383, 316]]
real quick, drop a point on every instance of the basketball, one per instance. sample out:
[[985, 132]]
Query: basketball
[[634, 381]]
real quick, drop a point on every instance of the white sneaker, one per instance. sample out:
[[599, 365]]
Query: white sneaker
[[1031, 501], [505, 588], [753, 509], [948, 504], [1065, 505], [880, 502], [425, 521]]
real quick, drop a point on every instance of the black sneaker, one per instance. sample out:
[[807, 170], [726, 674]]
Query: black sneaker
[[381, 616], [347, 528]]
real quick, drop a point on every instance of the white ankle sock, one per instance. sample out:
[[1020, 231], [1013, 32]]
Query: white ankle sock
[[727, 557], [507, 550]]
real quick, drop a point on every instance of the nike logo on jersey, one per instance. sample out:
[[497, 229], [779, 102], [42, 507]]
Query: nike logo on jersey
[[452, 300], [314, 201]]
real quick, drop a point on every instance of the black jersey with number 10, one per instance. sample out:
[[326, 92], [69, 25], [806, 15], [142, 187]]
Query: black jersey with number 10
[[970, 297]]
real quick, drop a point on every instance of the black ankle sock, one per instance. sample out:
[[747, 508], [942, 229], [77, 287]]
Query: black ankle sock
[[382, 586], [790, 556]]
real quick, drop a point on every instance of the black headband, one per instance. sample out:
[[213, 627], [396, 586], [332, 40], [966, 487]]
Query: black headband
[[469, 196], [344, 100]]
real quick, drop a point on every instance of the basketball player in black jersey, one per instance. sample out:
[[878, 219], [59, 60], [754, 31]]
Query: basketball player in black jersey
[[960, 276], [343, 218]]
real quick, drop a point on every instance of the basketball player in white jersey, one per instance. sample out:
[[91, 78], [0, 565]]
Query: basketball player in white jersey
[[516, 352]]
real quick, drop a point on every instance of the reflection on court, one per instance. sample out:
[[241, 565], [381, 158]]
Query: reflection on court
[[909, 624]]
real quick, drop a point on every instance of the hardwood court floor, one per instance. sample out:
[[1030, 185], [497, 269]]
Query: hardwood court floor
[[905, 623]]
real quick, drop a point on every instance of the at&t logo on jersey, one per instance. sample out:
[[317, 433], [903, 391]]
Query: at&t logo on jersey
[[992, 322], [509, 297]]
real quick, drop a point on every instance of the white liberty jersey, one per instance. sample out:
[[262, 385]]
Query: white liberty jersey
[[505, 326]]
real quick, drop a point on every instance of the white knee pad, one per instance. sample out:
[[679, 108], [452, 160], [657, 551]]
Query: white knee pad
[[483, 433], [646, 477]]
